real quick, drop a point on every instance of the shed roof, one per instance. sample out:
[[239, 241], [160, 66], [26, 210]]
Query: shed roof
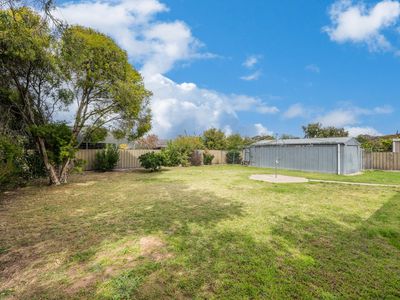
[[313, 141]]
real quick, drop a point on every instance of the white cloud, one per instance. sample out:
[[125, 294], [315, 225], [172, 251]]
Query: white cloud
[[227, 130], [251, 61], [157, 46], [312, 68], [251, 77], [356, 131], [185, 107], [386, 109], [350, 115], [261, 130], [359, 24], [295, 110], [339, 118]]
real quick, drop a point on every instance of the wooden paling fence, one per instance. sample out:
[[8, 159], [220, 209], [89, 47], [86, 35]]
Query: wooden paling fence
[[381, 160], [129, 159]]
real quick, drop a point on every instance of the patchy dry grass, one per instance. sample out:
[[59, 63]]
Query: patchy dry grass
[[201, 232]]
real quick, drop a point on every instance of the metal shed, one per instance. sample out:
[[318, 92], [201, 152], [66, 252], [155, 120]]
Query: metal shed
[[324, 155]]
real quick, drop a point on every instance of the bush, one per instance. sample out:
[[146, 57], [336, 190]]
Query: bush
[[196, 159], [33, 165], [233, 157], [207, 158], [107, 158], [152, 160], [11, 156], [180, 150], [78, 165]]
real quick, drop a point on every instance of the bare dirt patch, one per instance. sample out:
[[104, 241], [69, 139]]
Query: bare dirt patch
[[278, 179], [154, 248]]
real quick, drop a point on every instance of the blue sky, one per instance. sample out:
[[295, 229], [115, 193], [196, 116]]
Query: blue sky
[[259, 67]]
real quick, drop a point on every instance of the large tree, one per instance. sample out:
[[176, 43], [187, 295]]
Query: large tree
[[214, 139], [83, 72], [316, 130]]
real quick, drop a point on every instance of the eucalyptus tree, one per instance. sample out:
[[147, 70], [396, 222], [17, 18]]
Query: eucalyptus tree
[[82, 72]]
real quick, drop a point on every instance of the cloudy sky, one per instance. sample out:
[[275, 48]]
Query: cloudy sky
[[258, 67]]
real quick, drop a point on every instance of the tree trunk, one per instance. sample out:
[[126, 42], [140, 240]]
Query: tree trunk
[[51, 171], [65, 171]]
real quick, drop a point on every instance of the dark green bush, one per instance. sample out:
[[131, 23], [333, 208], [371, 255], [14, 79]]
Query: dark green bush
[[11, 156], [107, 158], [233, 157], [33, 165], [207, 158], [152, 160]]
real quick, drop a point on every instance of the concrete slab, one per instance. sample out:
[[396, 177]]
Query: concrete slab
[[278, 179]]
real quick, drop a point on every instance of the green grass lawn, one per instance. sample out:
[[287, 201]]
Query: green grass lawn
[[201, 232]]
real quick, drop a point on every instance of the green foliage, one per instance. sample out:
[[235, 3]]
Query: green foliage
[[287, 137], [59, 141], [43, 72], [79, 165], [11, 155], [233, 157], [95, 134], [34, 166], [152, 160], [214, 139], [237, 142], [375, 144], [93, 63], [179, 151], [107, 158], [207, 158], [315, 130]]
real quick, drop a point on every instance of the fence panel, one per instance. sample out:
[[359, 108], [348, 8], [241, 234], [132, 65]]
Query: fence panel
[[129, 159], [219, 156], [381, 160]]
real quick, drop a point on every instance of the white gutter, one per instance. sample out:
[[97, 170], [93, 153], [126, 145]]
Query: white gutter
[[338, 159]]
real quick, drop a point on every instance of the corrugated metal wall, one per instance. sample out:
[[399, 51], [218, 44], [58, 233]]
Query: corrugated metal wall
[[352, 162], [317, 158], [314, 158]]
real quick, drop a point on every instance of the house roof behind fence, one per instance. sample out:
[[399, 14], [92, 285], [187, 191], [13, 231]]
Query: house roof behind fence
[[314, 141]]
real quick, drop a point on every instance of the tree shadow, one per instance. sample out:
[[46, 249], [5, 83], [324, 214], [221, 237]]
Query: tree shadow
[[72, 238], [318, 258], [334, 260]]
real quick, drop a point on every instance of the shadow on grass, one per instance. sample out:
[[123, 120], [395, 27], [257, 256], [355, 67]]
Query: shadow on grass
[[335, 261], [305, 259], [72, 238]]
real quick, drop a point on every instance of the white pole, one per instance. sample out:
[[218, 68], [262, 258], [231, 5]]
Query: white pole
[[276, 156], [338, 159]]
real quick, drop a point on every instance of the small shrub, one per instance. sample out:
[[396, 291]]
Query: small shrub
[[196, 159], [207, 158], [78, 165], [152, 160], [107, 158], [233, 157]]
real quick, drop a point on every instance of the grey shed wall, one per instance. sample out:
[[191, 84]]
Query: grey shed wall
[[321, 158]]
